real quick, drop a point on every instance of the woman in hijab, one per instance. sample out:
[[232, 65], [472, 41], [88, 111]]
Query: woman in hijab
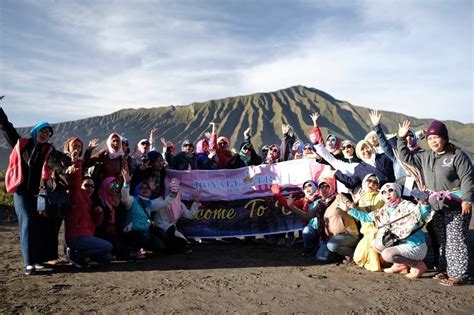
[[139, 229], [403, 219], [32, 163], [307, 209], [205, 158], [369, 200], [372, 163], [108, 162], [184, 160]]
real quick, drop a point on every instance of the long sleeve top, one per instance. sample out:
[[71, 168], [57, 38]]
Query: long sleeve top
[[137, 217]]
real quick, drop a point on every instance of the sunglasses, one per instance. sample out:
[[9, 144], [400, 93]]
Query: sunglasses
[[187, 145], [145, 143], [114, 186], [347, 147], [371, 181], [307, 148], [324, 186], [88, 185], [246, 148], [390, 190]]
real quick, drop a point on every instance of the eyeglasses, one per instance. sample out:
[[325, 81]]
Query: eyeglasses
[[347, 147], [114, 186], [372, 181], [324, 186], [88, 185], [390, 190], [46, 132]]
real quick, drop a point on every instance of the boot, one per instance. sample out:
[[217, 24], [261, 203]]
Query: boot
[[417, 270], [397, 268]]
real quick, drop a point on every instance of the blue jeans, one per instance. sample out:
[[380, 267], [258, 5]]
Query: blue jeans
[[310, 239], [335, 247], [38, 238], [95, 248]]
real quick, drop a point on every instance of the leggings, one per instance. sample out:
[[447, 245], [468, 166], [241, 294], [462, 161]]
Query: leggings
[[401, 254]]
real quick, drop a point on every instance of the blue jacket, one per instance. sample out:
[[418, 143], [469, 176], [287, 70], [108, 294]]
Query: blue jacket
[[383, 170]]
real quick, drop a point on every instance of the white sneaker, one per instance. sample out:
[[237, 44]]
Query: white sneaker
[[38, 266]]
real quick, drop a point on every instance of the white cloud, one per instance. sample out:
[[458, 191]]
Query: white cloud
[[98, 58]]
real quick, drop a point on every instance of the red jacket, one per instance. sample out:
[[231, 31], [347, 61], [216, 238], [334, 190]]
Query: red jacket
[[80, 219], [14, 175]]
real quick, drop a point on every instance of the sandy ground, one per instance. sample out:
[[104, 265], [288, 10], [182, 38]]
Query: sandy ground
[[221, 278]]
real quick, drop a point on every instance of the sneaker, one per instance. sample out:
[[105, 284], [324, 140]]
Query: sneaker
[[38, 266], [29, 270], [77, 263]]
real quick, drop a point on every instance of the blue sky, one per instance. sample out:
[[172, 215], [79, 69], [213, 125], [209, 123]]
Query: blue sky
[[65, 60]]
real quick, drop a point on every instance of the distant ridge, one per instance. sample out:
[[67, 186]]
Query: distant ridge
[[263, 112]]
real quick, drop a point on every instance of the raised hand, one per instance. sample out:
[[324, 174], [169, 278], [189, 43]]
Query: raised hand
[[94, 143], [197, 196], [374, 117], [314, 116], [126, 175], [153, 133], [276, 190], [285, 128], [213, 127], [247, 133], [403, 128]]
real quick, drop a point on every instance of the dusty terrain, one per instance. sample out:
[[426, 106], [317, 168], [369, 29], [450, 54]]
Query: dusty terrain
[[236, 277]]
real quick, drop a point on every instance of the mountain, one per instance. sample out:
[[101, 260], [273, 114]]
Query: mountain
[[263, 112]]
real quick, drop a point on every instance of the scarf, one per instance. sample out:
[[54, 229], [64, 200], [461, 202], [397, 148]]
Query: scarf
[[114, 154]]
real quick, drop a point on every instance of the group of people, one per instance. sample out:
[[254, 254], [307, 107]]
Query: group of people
[[115, 203]]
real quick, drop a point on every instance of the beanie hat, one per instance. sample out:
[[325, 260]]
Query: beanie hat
[[437, 128]]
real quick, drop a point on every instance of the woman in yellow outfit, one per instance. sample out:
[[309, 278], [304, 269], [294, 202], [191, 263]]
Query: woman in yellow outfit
[[370, 200]]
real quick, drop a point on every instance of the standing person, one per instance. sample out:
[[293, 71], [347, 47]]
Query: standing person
[[32, 161], [247, 155], [184, 160], [445, 167], [372, 163], [108, 162], [221, 146]]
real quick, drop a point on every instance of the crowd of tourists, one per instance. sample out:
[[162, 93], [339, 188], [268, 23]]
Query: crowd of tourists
[[368, 207]]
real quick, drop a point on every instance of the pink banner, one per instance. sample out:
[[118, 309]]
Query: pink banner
[[246, 182]]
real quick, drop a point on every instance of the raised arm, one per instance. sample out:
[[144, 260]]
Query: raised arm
[[384, 143], [405, 154], [315, 134], [344, 167], [9, 131], [287, 141]]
